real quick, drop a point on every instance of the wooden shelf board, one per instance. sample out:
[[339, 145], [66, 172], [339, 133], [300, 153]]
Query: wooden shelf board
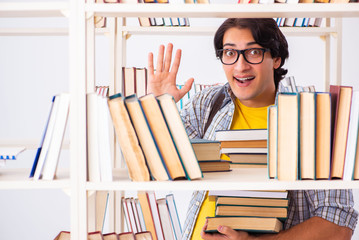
[[237, 179], [34, 9], [19, 179], [225, 10]]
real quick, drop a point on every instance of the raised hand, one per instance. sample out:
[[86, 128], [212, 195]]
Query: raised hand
[[163, 80]]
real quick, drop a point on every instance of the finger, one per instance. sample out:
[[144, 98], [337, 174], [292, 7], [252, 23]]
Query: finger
[[186, 87], [150, 64], [227, 231], [176, 62], [168, 57], [160, 58]]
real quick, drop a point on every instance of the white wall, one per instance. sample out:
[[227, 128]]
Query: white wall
[[33, 69]]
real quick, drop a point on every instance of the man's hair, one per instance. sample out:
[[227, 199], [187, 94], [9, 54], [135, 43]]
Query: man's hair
[[265, 32]]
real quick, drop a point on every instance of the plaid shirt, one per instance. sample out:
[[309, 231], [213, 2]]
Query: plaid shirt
[[333, 205]]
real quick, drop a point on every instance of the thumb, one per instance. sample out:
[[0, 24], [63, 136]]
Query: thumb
[[226, 231], [187, 86]]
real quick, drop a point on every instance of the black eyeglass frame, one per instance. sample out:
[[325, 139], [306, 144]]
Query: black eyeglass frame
[[239, 52]]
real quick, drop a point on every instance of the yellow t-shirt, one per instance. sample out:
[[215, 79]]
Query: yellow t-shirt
[[243, 118]]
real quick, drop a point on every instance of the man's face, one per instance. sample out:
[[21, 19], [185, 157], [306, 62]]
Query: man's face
[[253, 84]]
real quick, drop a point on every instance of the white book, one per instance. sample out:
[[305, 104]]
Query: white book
[[53, 154], [165, 219], [243, 150], [47, 138], [244, 134], [352, 138], [176, 224], [104, 139], [249, 193], [155, 214]]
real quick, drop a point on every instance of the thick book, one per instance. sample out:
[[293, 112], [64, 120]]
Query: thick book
[[206, 149], [128, 140], [180, 137], [341, 104], [288, 136], [52, 156], [307, 126], [323, 135], [249, 193], [215, 166], [147, 213], [244, 144], [248, 224], [165, 218], [274, 202], [243, 150], [241, 135], [129, 80], [176, 224], [272, 141], [162, 136], [149, 146], [250, 158], [251, 211], [141, 82]]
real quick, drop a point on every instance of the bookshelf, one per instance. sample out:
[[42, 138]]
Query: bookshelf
[[82, 80]]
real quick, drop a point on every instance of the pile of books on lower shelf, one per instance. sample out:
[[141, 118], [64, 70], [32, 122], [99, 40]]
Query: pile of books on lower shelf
[[250, 211]]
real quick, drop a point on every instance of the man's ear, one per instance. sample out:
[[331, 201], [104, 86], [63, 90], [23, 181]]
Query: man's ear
[[276, 62]]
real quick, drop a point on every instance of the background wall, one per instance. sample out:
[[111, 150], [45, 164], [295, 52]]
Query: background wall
[[33, 69]]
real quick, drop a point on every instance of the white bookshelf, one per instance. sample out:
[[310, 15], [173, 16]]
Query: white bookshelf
[[81, 36]]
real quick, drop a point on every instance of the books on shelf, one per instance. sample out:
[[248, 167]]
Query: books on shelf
[[128, 140], [45, 165], [134, 81]]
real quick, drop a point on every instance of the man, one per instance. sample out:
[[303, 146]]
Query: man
[[252, 52]]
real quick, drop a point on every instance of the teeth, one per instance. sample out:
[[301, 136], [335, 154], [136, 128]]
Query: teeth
[[244, 79]]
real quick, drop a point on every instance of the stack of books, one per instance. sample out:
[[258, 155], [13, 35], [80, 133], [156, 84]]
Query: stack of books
[[208, 154], [245, 148], [250, 211]]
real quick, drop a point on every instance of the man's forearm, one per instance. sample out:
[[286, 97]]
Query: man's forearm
[[315, 228]]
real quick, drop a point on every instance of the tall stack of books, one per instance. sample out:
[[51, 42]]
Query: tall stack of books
[[245, 148], [250, 211]]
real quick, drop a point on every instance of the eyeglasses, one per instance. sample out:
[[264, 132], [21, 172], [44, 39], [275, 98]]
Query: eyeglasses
[[251, 55]]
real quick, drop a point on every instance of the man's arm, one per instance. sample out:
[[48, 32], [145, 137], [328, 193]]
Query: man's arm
[[315, 228]]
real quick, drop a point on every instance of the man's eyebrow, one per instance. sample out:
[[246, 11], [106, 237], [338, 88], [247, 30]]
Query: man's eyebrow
[[233, 45]]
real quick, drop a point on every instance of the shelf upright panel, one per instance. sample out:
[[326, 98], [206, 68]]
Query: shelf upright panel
[[77, 61]]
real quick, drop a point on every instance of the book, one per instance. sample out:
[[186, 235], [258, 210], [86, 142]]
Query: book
[[287, 138], [63, 235], [129, 80], [141, 82], [272, 141], [10, 153], [129, 216], [248, 165], [52, 156], [260, 158], [243, 150], [215, 166], [323, 135], [165, 218], [155, 214], [248, 224], [341, 104], [146, 235], [206, 149], [241, 134], [249, 193], [126, 236], [251, 211], [162, 136], [140, 215], [244, 144], [110, 236], [128, 140], [356, 165], [154, 159], [352, 138], [136, 215], [147, 213], [94, 236], [180, 137], [101, 204], [307, 135], [274, 202], [176, 224]]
